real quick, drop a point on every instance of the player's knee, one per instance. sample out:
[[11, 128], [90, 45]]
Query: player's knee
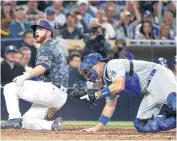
[[171, 100], [147, 125], [9, 87], [62, 101], [166, 122]]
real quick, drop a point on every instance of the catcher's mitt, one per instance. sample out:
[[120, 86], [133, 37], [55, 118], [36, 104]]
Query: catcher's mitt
[[79, 93]]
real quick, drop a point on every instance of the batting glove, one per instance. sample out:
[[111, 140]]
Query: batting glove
[[19, 80]]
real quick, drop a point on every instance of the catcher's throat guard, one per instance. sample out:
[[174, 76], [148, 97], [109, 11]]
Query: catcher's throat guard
[[88, 72]]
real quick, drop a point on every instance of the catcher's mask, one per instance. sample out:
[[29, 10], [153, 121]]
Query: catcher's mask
[[88, 72]]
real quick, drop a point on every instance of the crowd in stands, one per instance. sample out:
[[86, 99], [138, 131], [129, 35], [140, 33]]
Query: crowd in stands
[[72, 19], [95, 22]]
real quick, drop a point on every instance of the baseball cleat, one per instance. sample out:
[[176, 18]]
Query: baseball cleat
[[57, 124], [12, 123]]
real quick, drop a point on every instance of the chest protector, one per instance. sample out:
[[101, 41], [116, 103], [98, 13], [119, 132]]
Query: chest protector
[[132, 85]]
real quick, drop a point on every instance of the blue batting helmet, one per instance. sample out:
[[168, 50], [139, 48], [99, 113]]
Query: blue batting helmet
[[86, 68], [162, 61], [44, 24]]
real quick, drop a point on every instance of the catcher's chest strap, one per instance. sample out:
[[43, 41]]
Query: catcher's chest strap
[[131, 71]]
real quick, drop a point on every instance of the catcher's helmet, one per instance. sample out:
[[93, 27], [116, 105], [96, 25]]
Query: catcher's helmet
[[86, 68], [162, 61], [44, 24]]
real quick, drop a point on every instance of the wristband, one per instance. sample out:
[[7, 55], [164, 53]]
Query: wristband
[[104, 119], [105, 92]]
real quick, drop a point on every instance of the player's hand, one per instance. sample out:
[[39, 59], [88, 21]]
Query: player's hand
[[91, 130], [51, 112], [90, 97], [19, 80], [78, 92]]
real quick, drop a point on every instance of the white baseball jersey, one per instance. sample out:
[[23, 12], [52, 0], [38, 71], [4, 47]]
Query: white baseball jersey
[[157, 94], [118, 67]]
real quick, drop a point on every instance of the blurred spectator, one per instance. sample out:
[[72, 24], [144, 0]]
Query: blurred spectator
[[169, 6], [33, 14], [114, 8], [83, 11], [19, 25], [126, 26], [42, 5], [60, 17], [120, 51], [69, 5], [28, 41], [162, 61], [96, 41], [26, 58], [93, 7], [71, 31], [6, 12], [74, 60], [80, 21], [50, 16], [164, 33], [9, 68], [110, 13], [13, 4], [169, 20], [146, 32], [7, 17], [18, 56], [154, 6], [109, 30], [147, 16]]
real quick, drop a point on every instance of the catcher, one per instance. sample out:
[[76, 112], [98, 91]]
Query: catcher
[[133, 78]]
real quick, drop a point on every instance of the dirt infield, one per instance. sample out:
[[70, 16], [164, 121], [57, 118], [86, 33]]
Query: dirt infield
[[72, 133]]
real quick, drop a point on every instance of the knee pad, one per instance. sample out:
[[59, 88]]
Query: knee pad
[[171, 100], [166, 122], [146, 125]]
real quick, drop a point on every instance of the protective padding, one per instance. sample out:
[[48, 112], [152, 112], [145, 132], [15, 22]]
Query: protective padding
[[171, 100]]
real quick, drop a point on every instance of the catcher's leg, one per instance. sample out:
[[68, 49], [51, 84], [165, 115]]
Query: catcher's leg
[[147, 110], [152, 103]]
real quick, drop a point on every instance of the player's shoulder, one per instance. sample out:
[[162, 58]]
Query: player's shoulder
[[116, 62]]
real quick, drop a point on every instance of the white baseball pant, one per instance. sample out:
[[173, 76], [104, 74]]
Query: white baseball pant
[[162, 84], [43, 95]]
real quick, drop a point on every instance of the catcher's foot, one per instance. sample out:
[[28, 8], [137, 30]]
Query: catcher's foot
[[57, 124], [12, 123]]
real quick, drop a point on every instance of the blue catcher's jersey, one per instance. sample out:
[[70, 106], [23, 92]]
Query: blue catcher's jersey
[[135, 84], [49, 56]]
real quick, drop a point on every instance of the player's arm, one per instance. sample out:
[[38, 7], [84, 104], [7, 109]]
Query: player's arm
[[116, 87], [37, 71], [104, 118]]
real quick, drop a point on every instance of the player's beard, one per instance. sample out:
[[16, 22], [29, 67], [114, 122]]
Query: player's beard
[[40, 39]]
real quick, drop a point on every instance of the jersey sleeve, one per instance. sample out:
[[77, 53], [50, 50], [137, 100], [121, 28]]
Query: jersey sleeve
[[45, 58], [116, 69]]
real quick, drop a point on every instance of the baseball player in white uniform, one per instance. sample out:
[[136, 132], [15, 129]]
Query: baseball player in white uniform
[[133, 78], [48, 92]]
